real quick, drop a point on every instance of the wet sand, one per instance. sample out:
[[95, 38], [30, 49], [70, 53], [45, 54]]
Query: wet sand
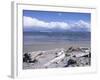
[[42, 46]]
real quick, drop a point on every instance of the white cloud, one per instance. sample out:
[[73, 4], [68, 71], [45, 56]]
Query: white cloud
[[33, 22], [80, 25]]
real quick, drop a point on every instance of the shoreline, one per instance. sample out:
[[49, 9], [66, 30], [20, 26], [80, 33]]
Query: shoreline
[[43, 46]]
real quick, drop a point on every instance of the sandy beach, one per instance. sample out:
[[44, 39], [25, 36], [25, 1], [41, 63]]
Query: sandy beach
[[56, 41], [49, 49], [36, 46]]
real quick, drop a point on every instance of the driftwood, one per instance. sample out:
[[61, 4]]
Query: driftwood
[[27, 58], [59, 56], [70, 62]]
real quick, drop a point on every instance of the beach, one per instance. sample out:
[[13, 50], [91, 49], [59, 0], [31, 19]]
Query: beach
[[53, 45], [49, 50], [56, 39], [41, 50]]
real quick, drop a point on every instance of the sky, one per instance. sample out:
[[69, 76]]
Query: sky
[[55, 21]]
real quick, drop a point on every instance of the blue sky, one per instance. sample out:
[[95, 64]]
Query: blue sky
[[48, 20]]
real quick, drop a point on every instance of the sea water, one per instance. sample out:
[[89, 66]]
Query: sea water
[[43, 37]]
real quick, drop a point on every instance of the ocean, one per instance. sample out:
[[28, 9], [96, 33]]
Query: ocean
[[29, 37]]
